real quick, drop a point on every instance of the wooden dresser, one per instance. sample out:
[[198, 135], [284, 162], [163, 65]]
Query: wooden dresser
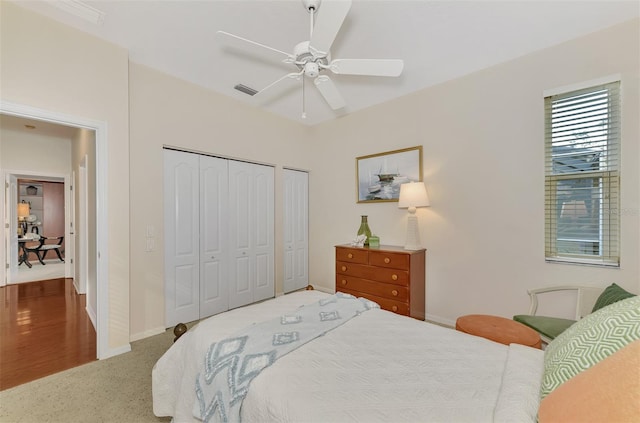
[[391, 276]]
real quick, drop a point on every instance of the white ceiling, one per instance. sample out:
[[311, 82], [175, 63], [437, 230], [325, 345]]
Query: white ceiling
[[438, 40]]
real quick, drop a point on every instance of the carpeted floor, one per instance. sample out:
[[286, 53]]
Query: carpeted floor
[[117, 389]]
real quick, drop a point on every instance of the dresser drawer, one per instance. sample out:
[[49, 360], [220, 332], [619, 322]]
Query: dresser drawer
[[384, 290], [389, 275], [352, 255], [394, 276], [385, 303], [388, 259]]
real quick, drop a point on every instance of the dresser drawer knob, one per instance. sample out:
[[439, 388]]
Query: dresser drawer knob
[[387, 260], [394, 277], [394, 293], [394, 308], [344, 268], [344, 282], [350, 255]]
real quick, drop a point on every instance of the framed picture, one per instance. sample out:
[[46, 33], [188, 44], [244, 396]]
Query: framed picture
[[379, 176]]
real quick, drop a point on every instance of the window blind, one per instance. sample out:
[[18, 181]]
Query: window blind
[[582, 133]]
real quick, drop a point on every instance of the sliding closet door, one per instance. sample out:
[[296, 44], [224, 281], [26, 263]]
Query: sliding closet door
[[263, 177], [251, 237], [214, 198], [296, 230], [181, 229]]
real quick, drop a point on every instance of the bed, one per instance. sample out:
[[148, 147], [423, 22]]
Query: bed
[[378, 366]]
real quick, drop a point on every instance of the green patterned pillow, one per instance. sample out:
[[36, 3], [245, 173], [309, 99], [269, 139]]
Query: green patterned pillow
[[613, 293], [589, 341]]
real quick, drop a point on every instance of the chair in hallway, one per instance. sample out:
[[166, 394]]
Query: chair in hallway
[[42, 248]]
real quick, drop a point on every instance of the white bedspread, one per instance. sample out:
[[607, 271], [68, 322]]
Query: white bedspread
[[379, 367]]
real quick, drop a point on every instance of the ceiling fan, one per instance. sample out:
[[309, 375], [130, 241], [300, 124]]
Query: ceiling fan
[[313, 59]]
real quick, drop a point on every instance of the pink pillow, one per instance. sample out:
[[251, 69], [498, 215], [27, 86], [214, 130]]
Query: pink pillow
[[609, 391]]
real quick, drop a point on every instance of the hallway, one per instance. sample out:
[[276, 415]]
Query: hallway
[[44, 329]]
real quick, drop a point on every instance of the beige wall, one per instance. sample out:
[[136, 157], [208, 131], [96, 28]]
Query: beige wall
[[482, 138], [484, 231], [168, 111], [50, 66], [20, 151]]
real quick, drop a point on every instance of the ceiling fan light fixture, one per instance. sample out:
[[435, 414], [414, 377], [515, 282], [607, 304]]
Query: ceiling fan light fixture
[[311, 69], [312, 57]]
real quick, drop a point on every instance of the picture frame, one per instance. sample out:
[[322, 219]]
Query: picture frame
[[379, 176]]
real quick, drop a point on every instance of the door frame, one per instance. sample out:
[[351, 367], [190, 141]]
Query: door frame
[[102, 251], [295, 174], [82, 227]]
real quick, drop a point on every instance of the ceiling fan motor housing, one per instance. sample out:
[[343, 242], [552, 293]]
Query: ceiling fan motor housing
[[305, 60]]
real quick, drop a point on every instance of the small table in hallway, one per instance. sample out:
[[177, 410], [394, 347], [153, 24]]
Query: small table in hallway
[[23, 256]]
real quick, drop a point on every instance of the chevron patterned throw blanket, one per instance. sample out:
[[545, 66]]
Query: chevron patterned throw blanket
[[231, 364]]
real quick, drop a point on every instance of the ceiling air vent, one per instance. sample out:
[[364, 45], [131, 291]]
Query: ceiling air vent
[[245, 89]]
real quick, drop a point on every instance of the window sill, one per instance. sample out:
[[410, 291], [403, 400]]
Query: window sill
[[582, 262]]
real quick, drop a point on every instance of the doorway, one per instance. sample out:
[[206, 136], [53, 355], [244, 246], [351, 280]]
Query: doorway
[[98, 271], [44, 201]]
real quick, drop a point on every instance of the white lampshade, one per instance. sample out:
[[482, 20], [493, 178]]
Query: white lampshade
[[413, 194], [23, 210]]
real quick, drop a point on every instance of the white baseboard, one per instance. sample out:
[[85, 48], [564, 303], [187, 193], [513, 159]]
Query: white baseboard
[[440, 320], [324, 289], [92, 316], [146, 334], [112, 352]]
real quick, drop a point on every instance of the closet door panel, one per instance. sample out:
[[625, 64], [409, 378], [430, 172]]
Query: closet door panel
[[181, 205], [214, 293], [241, 216], [263, 227], [296, 217]]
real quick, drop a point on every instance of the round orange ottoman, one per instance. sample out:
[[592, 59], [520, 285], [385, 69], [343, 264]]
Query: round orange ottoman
[[498, 329]]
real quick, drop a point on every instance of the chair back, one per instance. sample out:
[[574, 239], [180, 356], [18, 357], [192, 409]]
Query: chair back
[[587, 297]]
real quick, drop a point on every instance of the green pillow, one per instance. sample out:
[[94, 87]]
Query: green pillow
[[590, 340], [612, 294]]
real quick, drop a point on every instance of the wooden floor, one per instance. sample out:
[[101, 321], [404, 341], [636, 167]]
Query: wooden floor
[[44, 329]]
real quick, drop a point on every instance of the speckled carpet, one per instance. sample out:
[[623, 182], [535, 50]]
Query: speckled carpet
[[117, 389]]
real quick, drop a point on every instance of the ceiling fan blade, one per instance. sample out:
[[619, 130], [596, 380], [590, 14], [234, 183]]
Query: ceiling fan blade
[[331, 15], [370, 67], [329, 91], [269, 88], [252, 46]]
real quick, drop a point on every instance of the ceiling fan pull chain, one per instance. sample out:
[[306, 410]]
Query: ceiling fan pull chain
[[304, 112]]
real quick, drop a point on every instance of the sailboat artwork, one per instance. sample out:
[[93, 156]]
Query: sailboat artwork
[[380, 175]]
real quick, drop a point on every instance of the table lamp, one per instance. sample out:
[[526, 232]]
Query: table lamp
[[413, 195], [23, 212]]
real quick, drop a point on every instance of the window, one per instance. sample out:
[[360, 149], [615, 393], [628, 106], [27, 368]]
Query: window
[[582, 131]]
